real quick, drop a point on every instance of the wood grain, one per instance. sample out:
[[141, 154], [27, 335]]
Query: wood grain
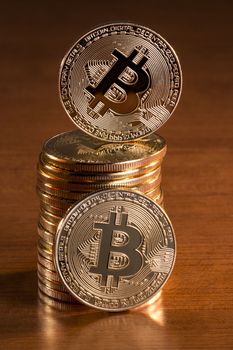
[[196, 307]]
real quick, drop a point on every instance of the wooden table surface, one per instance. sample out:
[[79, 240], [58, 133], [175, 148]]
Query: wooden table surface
[[196, 307]]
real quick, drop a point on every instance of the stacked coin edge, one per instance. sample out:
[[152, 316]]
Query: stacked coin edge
[[64, 180]]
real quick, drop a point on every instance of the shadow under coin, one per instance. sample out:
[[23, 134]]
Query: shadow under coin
[[18, 289], [18, 304]]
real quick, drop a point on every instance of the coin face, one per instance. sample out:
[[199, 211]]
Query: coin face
[[120, 82], [115, 249], [72, 147]]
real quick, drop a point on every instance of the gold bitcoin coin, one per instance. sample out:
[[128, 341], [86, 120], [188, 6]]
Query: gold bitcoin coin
[[159, 202], [51, 275], [46, 262], [53, 285], [78, 194], [47, 225], [53, 210], [120, 82], [115, 249], [81, 153], [50, 217], [44, 252], [88, 186], [62, 296], [56, 304], [60, 173], [45, 235], [48, 247], [59, 202], [154, 193]]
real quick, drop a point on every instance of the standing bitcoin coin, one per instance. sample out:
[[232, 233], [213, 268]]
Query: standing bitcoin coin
[[115, 249], [120, 82]]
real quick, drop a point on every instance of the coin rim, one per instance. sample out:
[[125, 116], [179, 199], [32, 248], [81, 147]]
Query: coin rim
[[62, 173]]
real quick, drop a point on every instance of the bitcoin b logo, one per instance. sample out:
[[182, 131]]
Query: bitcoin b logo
[[118, 89], [118, 255]]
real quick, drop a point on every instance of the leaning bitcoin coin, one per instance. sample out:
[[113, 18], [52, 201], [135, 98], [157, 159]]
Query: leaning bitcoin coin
[[115, 249], [120, 82]]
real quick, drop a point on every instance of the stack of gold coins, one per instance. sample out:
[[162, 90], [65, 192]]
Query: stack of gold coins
[[118, 83], [73, 165]]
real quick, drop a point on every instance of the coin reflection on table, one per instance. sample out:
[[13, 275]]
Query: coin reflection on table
[[140, 329], [153, 309]]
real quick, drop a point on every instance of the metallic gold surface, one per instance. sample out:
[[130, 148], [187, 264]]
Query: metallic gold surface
[[56, 304], [144, 186], [68, 171], [155, 193], [85, 184], [53, 285], [77, 151], [46, 262], [48, 225], [94, 176], [47, 254], [50, 217], [53, 210], [99, 261], [45, 235], [56, 201], [47, 273], [118, 83], [62, 296], [48, 247]]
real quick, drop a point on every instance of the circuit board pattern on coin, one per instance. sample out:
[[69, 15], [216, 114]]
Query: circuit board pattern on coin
[[115, 249], [120, 82]]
